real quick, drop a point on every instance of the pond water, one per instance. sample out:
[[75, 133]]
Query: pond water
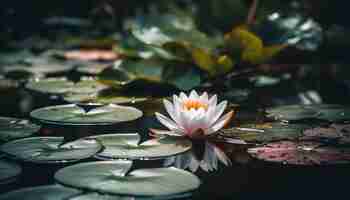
[[240, 176], [84, 110]]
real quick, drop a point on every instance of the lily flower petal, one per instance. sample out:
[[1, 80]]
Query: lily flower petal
[[170, 124], [220, 123], [214, 115], [169, 107], [194, 115]]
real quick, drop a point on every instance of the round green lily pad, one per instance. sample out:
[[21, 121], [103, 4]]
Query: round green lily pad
[[9, 171], [126, 146], [110, 177], [39, 68], [96, 98], [292, 112], [50, 85], [13, 128], [50, 150], [47, 192], [301, 153], [335, 114], [265, 132], [62, 86], [97, 196], [72, 114]]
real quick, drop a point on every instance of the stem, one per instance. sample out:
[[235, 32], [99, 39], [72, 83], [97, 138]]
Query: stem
[[252, 12]]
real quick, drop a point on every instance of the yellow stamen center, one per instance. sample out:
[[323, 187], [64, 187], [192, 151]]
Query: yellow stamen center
[[195, 104]]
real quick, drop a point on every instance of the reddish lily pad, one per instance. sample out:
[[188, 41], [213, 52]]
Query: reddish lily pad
[[336, 133], [91, 55], [301, 153]]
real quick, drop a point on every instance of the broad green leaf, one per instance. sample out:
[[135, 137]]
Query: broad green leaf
[[75, 115], [129, 71], [9, 171], [52, 192], [111, 177], [50, 150], [126, 146]]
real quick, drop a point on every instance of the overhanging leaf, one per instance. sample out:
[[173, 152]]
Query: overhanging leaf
[[156, 71]]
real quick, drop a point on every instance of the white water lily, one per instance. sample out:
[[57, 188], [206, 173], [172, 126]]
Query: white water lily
[[194, 116]]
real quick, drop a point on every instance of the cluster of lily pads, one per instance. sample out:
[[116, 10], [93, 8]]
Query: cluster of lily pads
[[116, 178], [297, 135]]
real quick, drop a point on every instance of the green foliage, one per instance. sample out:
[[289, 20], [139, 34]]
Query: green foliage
[[128, 71]]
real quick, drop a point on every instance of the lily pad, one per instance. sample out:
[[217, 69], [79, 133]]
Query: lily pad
[[97, 196], [301, 153], [47, 192], [50, 85], [115, 97], [63, 86], [13, 128], [265, 132], [332, 113], [336, 133], [50, 149], [41, 65], [126, 146], [91, 55], [92, 68], [110, 177], [292, 112], [72, 114], [9, 171]]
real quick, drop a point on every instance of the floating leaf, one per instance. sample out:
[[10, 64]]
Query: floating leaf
[[92, 68], [110, 177], [328, 112], [50, 149], [97, 196], [74, 115], [126, 146], [9, 172], [332, 112], [265, 132], [292, 112], [91, 55], [13, 128], [51, 85], [52, 192], [41, 65], [101, 99], [62, 86], [336, 133], [301, 153]]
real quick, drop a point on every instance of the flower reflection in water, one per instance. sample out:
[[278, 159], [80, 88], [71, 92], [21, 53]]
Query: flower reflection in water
[[204, 155]]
